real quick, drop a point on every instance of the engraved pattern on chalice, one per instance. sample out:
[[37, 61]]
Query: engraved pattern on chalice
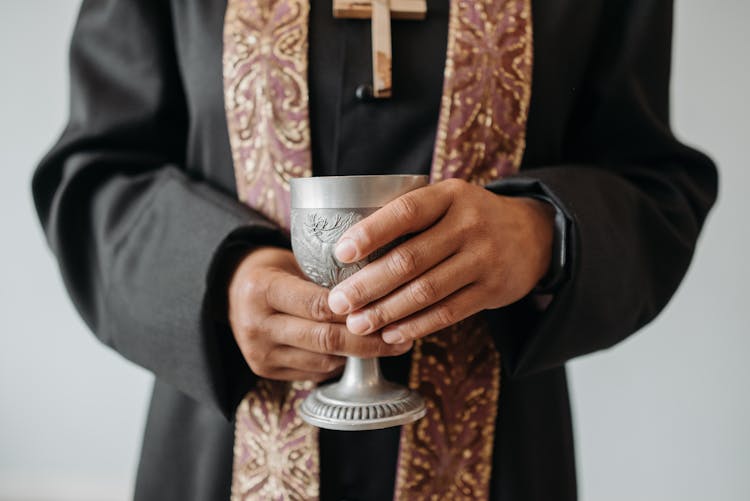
[[320, 230]]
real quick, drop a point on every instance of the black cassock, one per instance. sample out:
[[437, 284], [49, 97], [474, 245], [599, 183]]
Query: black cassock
[[138, 203]]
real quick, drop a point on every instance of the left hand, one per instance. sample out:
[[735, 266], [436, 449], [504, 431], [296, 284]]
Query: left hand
[[472, 250]]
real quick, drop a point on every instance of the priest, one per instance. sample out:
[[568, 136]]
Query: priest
[[561, 217]]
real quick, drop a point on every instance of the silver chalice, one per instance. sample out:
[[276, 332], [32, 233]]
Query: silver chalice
[[322, 209]]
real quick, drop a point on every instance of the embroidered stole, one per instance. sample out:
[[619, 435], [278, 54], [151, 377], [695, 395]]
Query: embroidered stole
[[480, 138]]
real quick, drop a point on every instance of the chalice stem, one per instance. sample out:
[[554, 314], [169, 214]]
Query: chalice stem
[[361, 373]]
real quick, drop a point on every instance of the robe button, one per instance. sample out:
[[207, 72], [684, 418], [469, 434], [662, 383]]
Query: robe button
[[363, 92]]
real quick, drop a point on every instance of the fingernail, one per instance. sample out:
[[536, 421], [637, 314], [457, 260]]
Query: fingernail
[[338, 303], [393, 337], [345, 251], [358, 323]]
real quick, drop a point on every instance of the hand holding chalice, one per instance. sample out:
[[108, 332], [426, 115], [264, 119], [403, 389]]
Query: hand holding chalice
[[323, 208]]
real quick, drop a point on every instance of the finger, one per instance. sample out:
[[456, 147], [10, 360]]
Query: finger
[[424, 291], [445, 313], [295, 375], [307, 361], [329, 338], [400, 265], [409, 213], [296, 296]]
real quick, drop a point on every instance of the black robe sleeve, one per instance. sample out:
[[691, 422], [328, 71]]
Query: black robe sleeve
[[636, 198], [139, 239]]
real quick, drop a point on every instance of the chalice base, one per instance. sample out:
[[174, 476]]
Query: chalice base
[[339, 406]]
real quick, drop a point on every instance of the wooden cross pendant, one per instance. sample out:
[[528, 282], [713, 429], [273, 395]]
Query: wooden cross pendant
[[380, 12]]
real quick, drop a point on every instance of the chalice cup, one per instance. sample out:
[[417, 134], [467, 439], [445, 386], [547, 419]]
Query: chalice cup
[[323, 208]]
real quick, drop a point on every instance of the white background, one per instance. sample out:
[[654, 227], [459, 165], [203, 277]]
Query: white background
[[663, 416]]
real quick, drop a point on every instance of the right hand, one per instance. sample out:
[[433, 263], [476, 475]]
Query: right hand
[[283, 325]]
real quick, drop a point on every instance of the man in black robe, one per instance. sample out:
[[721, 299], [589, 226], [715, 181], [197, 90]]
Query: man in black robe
[[138, 202]]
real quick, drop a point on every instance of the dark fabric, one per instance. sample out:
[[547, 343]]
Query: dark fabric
[[138, 203]]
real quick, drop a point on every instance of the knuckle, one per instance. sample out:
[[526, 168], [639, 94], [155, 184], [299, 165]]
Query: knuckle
[[410, 331], [484, 247], [254, 286], [356, 292], [405, 207], [360, 233], [328, 338], [454, 185], [317, 308], [377, 351], [388, 350], [252, 333], [243, 326], [445, 315], [322, 365], [403, 261], [244, 292], [369, 347], [423, 291], [379, 315], [259, 368], [259, 358], [469, 227], [329, 364], [253, 360], [377, 348], [318, 378], [472, 216]]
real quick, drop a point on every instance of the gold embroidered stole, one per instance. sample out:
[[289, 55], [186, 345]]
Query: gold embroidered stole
[[480, 138]]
